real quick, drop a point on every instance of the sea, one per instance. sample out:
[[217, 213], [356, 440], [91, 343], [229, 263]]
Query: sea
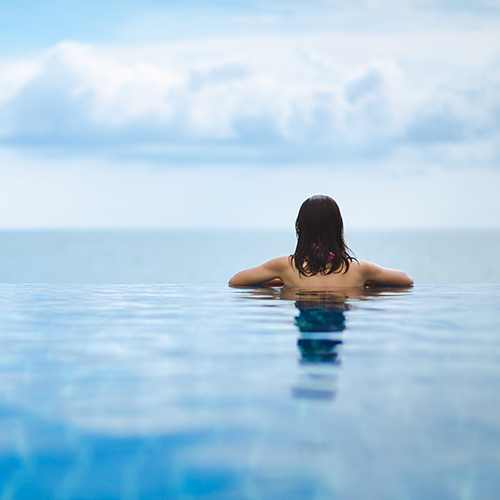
[[213, 256], [130, 370]]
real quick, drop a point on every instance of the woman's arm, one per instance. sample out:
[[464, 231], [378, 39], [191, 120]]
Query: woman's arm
[[378, 275], [260, 275]]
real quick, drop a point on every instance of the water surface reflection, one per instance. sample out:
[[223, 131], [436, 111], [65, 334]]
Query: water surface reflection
[[321, 322]]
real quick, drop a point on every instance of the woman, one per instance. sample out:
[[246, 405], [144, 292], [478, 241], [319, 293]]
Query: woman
[[321, 257]]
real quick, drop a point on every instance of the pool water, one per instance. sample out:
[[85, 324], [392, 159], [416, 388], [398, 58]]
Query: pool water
[[187, 392]]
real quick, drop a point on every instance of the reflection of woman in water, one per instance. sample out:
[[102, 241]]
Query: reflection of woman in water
[[321, 257], [320, 316], [321, 321]]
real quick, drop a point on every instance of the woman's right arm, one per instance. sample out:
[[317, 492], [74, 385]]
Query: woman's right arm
[[378, 275], [267, 274]]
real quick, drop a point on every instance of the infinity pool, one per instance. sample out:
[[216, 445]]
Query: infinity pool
[[187, 392]]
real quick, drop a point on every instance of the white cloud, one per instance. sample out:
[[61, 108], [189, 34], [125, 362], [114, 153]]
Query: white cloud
[[315, 98], [99, 135]]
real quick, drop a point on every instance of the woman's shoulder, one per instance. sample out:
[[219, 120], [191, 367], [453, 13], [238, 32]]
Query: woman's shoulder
[[359, 264], [382, 275], [280, 263], [363, 264], [363, 267]]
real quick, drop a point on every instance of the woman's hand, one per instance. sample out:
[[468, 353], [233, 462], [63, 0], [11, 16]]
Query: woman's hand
[[272, 283]]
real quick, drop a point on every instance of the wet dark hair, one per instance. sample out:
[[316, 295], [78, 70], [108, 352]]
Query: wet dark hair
[[320, 238]]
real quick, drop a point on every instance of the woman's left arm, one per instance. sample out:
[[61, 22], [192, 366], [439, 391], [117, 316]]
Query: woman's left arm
[[260, 275]]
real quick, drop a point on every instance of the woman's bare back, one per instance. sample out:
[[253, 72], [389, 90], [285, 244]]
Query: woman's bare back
[[353, 277], [360, 273]]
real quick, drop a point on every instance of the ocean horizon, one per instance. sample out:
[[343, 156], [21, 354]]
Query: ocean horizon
[[213, 256]]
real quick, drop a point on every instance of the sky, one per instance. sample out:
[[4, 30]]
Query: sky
[[228, 114]]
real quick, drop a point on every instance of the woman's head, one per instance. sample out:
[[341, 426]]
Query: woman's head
[[320, 238]]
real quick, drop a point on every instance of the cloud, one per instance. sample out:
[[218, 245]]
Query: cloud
[[385, 92], [256, 99]]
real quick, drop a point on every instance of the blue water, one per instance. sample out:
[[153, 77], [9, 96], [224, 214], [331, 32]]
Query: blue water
[[203, 391], [203, 256]]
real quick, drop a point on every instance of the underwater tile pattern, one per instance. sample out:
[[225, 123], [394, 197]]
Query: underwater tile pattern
[[205, 391]]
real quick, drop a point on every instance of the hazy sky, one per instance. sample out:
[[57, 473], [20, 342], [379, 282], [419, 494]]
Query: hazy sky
[[230, 113]]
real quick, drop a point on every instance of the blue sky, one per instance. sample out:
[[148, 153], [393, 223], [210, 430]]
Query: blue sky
[[229, 114]]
